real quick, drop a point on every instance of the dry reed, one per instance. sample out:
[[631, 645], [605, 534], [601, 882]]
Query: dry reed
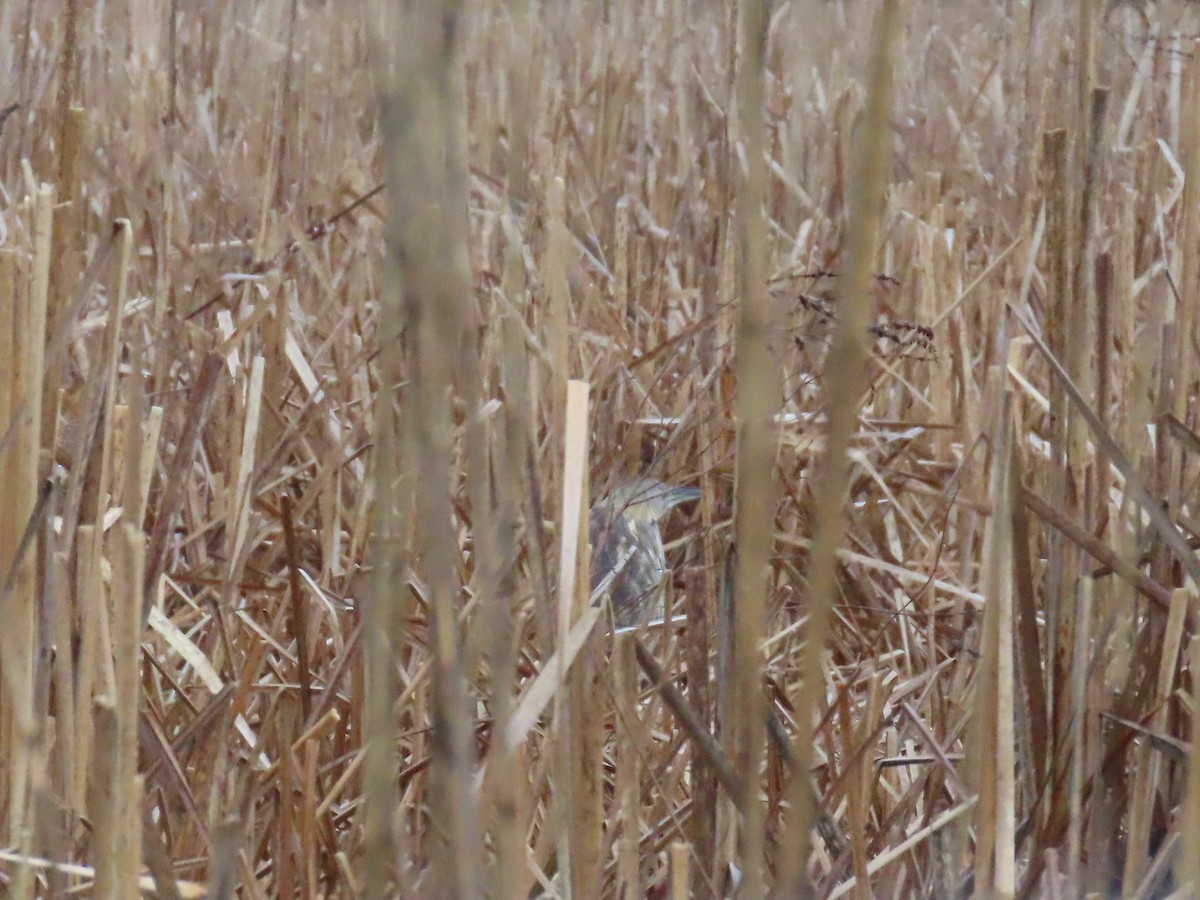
[[320, 325]]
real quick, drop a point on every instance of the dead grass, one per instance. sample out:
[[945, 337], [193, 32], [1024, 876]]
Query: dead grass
[[292, 468]]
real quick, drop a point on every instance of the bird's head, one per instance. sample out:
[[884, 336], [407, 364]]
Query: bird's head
[[648, 499]]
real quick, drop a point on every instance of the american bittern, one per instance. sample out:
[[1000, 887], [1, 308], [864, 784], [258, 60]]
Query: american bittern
[[628, 559]]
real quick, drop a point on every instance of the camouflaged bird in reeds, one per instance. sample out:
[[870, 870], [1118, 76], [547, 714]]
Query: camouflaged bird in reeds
[[628, 557]]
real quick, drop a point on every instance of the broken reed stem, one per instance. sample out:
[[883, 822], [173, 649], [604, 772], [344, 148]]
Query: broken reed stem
[[112, 352], [18, 599], [571, 795], [126, 605], [587, 703], [243, 486], [994, 698], [843, 379], [104, 799]]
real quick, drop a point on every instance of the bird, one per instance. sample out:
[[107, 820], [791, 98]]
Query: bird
[[628, 558]]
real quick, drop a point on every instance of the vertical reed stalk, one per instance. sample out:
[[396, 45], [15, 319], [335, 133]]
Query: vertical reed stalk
[[844, 379], [421, 115], [757, 489]]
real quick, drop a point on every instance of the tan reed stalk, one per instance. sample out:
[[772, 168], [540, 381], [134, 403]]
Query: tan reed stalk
[[10, 527], [1058, 255], [68, 75], [63, 751], [299, 608], [1125, 309], [1029, 650], [1078, 760], [1189, 266], [105, 475], [1133, 415], [137, 489], [553, 314], [308, 826], [856, 807], [622, 299], [1095, 366], [680, 871], [628, 766], [18, 595], [68, 226], [696, 652], [520, 116], [24, 77], [242, 488], [556, 316], [389, 553], [590, 713], [932, 265], [575, 862], [421, 116], [104, 800], [995, 704], [1087, 473], [88, 482], [843, 377], [126, 602], [1187, 865], [95, 663], [498, 529], [755, 475], [587, 734], [285, 830]]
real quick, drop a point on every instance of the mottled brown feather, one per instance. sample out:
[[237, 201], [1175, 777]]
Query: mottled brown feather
[[627, 544]]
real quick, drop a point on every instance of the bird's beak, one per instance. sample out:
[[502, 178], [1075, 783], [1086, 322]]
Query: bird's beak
[[684, 495]]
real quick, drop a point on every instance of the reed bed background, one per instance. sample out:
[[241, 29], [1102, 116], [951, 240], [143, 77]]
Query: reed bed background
[[321, 326]]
